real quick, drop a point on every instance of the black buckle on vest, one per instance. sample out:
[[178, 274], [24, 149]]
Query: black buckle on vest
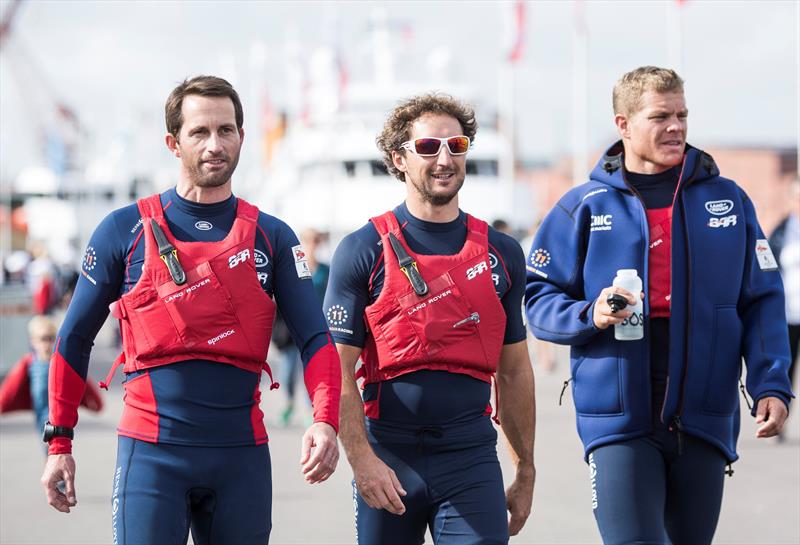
[[168, 253], [409, 267]]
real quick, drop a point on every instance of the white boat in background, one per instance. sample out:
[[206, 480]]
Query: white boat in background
[[330, 175], [326, 171]]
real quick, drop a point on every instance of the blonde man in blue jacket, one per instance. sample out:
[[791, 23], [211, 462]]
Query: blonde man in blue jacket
[[659, 417]]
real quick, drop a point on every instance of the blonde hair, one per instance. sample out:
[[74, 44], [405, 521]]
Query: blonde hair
[[628, 91], [41, 325]]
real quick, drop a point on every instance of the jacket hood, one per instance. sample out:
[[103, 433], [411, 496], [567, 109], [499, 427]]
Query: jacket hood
[[697, 165]]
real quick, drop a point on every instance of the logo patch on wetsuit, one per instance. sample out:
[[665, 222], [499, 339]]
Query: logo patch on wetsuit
[[719, 208], [301, 262], [593, 479], [89, 259], [540, 258], [261, 259], [601, 222], [766, 260], [203, 225], [727, 221], [337, 315]]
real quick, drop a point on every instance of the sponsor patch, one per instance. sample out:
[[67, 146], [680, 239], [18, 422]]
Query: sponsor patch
[[221, 336], [540, 258], [303, 271], [260, 259], [719, 208], [239, 257], [536, 271], [601, 222], [593, 193], [178, 294], [480, 268], [492, 260], [766, 260], [727, 221], [89, 259], [337, 315], [299, 253], [137, 225], [593, 479], [203, 225]]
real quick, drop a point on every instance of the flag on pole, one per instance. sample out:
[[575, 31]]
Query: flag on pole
[[517, 46]]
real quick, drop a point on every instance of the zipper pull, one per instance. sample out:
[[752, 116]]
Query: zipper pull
[[474, 317], [679, 430], [744, 393], [563, 389]]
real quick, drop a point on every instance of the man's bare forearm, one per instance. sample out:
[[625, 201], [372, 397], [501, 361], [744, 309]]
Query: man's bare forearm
[[352, 432], [517, 404]]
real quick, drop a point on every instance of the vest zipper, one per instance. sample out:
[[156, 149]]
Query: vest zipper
[[474, 317]]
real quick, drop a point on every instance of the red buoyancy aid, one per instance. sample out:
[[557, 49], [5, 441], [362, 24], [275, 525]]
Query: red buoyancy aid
[[457, 326], [220, 313]]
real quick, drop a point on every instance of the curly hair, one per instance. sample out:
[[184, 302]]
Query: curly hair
[[628, 91], [397, 128]]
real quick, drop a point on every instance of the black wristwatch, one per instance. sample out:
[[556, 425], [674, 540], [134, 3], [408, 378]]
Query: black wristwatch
[[51, 431]]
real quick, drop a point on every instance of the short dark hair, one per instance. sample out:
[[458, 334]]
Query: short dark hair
[[207, 86], [397, 128]]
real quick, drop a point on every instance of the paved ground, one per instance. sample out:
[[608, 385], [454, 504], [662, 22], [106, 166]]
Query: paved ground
[[762, 500]]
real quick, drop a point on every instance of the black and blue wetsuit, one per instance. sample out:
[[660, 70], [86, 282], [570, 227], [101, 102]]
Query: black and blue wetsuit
[[433, 429], [207, 414]]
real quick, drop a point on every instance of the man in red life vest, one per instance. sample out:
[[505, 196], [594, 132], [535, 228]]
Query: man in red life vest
[[429, 298], [194, 275]]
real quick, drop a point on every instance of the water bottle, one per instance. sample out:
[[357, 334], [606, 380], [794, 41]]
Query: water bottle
[[632, 328]]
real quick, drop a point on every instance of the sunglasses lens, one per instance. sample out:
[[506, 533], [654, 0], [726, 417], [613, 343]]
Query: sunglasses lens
[[427, 146], [458, 145]]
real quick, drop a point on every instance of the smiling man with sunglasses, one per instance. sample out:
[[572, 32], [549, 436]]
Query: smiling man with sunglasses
[[429, 298]]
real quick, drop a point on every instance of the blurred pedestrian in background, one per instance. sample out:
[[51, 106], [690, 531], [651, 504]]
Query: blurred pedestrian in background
[[291, 363], [25, 386], [785, 244]]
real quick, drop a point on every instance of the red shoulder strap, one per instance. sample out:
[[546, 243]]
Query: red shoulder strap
[[150, 207], [386, 223], [477, 230], [245, 210]]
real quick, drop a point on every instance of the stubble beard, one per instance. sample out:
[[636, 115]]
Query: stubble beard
[[213, 179], [425, 190]]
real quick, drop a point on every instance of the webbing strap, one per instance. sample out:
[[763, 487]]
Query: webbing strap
[[408, 266], [168, 253], [117, 362], [272, 384]]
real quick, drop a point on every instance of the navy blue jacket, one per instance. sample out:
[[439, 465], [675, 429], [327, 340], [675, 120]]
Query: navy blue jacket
[[726, 303]]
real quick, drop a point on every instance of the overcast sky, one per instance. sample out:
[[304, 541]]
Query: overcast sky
[[115, 62]]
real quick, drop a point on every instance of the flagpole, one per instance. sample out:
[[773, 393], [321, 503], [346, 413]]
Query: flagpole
[[580, 95], [674, 30]]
